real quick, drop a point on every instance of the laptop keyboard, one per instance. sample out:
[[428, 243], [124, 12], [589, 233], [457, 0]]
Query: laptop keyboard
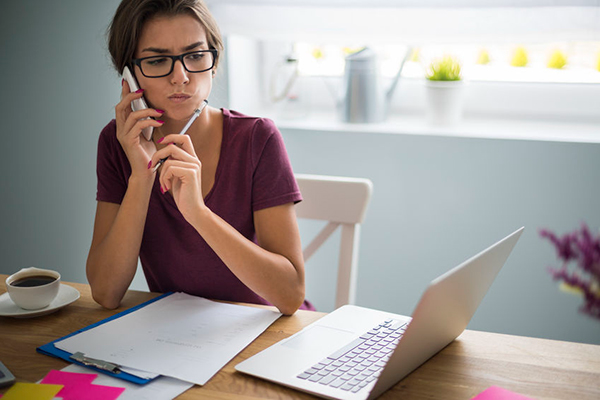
[[360, 362]]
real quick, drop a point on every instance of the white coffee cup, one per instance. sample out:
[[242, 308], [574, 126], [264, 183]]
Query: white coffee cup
[[33, 288]]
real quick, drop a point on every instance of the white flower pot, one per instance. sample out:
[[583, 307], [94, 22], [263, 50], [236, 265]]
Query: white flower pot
[[444, 102]]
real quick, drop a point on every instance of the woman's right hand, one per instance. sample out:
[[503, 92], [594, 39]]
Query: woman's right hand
[[130, 124]]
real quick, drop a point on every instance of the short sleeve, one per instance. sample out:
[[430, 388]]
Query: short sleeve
[[110, 171], [274, 183]]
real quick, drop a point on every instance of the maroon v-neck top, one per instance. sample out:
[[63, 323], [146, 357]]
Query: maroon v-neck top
[[254, 173]]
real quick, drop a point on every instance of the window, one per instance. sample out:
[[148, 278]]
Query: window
[[551, 62], [486, 38]]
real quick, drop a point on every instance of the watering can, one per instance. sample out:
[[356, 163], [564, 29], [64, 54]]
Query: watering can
[[364, 100]]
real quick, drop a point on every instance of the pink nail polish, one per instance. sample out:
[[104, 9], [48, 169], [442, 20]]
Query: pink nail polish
[[160, 120], [122, 82], [149, 164], [160, 111], [163, 191], [160, 140], [140, 91]]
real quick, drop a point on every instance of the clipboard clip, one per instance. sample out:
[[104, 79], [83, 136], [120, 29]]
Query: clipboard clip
[[103, 365]]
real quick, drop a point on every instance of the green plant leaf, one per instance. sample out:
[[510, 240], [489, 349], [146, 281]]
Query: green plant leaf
[[446, 68]]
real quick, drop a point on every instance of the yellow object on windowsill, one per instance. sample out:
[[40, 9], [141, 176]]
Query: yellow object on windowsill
[[557, 60]]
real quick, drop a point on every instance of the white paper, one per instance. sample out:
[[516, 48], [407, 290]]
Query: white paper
[[181, 336], [162, 388], [139, 373]]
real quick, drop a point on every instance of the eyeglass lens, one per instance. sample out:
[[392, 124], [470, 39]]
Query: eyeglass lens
[[161, 65]]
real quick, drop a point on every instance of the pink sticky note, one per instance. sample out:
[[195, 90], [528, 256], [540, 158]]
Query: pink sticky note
[[498, 393], [97, 392], [73, 383], [28, 391], [68, 378], [79, 386]]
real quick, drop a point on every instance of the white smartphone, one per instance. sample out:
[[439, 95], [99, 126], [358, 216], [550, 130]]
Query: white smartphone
[[137, 104]]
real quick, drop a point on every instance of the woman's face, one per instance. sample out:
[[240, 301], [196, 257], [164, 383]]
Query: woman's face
[[181, 92]]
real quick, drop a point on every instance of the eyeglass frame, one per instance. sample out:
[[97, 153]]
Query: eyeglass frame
[[138, 62]]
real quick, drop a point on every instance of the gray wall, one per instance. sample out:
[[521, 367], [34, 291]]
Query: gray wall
[[58, 91], [436, 200]]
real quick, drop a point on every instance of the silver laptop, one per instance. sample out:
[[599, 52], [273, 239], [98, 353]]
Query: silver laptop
[[359, 353]]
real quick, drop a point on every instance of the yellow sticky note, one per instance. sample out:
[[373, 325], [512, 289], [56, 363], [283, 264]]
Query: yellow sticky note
[[27, 391]]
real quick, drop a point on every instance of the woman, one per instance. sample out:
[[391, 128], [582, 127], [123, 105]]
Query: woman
[[217, 219]]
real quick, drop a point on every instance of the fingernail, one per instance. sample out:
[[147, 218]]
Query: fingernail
[[122, 82], [160, 111], [149, 164], [140, 91], [160, 140], [162, 190], [160, 120]]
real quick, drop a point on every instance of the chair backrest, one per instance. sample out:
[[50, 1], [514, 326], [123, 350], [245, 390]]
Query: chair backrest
[[343, 203]]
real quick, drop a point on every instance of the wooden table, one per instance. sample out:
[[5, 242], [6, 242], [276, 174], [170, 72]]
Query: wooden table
[[538, 368]]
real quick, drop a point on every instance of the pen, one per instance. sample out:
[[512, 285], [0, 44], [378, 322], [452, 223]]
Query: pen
[[195, 115]]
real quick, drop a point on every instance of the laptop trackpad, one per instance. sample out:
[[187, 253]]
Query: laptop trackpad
[[319, 339]]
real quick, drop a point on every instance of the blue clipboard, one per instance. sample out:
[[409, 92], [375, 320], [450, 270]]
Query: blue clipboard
[[50, 350]]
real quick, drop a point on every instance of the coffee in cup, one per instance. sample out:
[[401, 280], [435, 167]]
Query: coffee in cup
[[33, 288]]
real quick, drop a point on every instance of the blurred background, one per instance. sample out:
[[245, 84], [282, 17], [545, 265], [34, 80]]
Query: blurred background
[[520, 147]]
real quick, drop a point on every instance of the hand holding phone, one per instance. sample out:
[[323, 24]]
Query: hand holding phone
[[137, 104]]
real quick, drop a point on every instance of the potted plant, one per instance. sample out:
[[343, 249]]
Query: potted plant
[[579, 272], [444, 91]]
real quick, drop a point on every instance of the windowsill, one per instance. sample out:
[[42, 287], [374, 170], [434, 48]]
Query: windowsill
[[470, 127]]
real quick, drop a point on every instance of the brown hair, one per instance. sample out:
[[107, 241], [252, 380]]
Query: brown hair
[[125, 29]]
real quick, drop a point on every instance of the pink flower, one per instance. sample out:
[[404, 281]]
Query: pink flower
[[579, 252]]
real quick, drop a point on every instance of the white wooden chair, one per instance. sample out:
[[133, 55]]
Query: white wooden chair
[[343, 202]]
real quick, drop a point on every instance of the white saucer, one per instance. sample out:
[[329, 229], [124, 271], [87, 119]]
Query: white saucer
[[66, 295]]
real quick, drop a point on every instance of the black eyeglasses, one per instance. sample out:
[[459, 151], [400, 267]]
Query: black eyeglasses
[[194, 62]]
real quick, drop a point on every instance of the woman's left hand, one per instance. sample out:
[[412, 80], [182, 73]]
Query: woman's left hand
[[181, 173]]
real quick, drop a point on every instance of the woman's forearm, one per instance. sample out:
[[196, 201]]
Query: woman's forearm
[[271, 275], [113, 256]]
